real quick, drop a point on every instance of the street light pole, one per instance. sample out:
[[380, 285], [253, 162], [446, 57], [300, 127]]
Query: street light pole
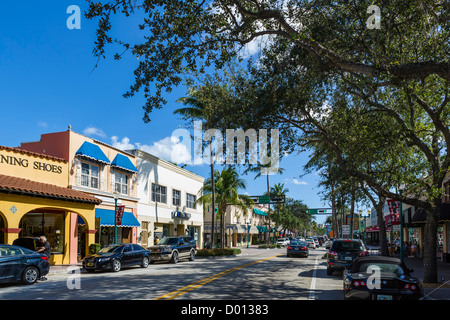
[[401, 226], [116, 196]]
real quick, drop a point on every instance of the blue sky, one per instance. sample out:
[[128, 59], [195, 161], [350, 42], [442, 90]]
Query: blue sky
[[47, 82]]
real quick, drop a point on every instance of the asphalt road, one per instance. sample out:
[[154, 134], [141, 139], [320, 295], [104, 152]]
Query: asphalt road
[[256, 274]]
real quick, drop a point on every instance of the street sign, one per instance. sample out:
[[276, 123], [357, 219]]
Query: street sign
[[318, 211], [272, 199], [346, 229]]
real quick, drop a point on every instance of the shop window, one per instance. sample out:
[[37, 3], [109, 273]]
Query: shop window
[[89, 175], [50, 225], [121, 183], [190, 200], [159, 193], [176, 198]]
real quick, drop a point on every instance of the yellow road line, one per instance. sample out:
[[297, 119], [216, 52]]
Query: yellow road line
[[192, 286]]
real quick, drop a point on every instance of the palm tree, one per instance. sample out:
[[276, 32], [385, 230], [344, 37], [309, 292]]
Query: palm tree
[[195, 110], [278, 189], [264, 169], [226, 187]]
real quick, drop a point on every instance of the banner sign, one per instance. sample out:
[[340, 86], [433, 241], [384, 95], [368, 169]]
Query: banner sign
[[394, 217], [119, 215]]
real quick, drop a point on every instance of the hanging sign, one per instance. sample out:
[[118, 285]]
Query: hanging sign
[[119, 215]]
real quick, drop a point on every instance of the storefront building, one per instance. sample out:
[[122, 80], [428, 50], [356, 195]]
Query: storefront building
[[167, 200], [104, 172], [240, 227], [35, 200]]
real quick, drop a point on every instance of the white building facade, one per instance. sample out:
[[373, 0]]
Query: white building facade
[[167, 196]]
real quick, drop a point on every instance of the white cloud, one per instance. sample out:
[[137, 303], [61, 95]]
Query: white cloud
[[43, 124], [296, 181], [123, 144], [169, 148], [93, 131]]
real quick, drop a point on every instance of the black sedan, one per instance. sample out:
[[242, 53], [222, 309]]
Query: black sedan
[[381, 278], [21, 264], [115, 256], [297, 248]]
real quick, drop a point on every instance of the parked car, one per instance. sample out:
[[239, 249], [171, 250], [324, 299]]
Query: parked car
[[114, 257], [173, 249], [20, 264], [283, 241], [30, 243], [297, 248], [343, 252], [395, 281]]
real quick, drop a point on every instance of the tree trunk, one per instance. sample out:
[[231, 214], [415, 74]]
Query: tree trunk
[[430, 245], [382, 226], [352, 209]]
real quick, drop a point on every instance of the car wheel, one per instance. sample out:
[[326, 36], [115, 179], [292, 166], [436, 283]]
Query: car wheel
[[145, 262], [116, 265], [329, 271], [192, 256], [174, 257], [30, 275]]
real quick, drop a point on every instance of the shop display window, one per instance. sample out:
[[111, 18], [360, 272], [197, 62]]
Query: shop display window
[[50, 225]]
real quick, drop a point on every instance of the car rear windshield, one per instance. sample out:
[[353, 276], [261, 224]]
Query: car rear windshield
[[370, 267], [168, 241], [347, 246], [298, 243]]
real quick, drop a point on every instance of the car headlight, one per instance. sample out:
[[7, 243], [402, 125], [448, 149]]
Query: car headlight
[[103, 259]]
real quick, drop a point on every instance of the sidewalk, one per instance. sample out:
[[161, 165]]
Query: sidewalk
[[432, 291]]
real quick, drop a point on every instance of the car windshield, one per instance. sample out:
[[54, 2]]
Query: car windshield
[[383, 267], [347, 246], [110, 249], [168, 241]]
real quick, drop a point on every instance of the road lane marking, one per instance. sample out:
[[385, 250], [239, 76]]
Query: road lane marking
[[197, 284], [313, 280]]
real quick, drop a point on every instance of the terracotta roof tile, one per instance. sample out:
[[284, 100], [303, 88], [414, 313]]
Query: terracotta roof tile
[[10, 184]]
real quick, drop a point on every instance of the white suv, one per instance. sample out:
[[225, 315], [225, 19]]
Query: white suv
[[283, 241]]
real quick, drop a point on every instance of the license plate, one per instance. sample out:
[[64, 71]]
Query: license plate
[[296, 249], [90, 264], [348, 258], [384, 297]]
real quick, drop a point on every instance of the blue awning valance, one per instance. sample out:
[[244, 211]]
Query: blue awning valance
[[92, 151], [107, 218], [123, 162]]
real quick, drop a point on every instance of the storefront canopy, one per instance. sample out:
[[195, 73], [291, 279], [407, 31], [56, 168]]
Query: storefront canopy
[[107, 218], [260, 212], [123, 162], [92, 151]]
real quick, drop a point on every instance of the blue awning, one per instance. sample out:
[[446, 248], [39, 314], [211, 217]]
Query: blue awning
[[123, 162], [107, 218], [260, 212], [92, 151]]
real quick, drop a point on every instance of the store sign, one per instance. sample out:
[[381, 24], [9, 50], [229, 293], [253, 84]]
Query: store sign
[[119, 215], [25, 163], [181, 215]]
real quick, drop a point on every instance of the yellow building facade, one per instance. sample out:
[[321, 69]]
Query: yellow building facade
[[35, 200]]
